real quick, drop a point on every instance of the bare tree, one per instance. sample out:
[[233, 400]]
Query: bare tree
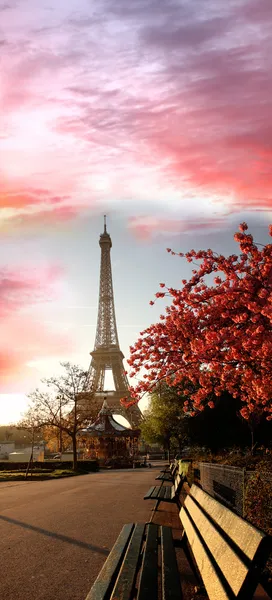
[[31, 425], [64, 404]]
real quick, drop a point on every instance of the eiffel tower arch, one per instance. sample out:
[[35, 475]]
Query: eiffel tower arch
[[107, 354]]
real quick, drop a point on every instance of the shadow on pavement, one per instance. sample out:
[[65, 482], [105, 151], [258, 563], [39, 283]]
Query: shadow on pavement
[[58, 536]]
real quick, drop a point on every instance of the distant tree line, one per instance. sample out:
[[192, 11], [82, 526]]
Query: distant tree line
[[222, 426]]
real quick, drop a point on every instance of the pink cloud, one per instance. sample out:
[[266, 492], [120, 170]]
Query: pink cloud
[[42, 219], [24, 336], [21, 287], [10, 362], [34, 207], [184, 94], [146, 227], [259, 11], [34, 342], [19, 194]]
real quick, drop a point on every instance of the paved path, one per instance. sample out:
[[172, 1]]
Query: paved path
[[55, 535]]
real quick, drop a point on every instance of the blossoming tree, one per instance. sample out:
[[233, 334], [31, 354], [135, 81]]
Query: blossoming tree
[[215, 337]]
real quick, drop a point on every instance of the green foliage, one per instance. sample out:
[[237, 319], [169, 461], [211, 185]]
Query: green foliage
[[166, 423], [164, 420]]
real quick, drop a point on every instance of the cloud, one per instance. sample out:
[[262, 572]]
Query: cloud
[[5, 7], [256, 11], [30, 208], [146, 227], [201, 117], [22, 337], [10, 197], [23, 286], [160, 97], [10, 362], [40, 220], [33, 342], [192, 34]]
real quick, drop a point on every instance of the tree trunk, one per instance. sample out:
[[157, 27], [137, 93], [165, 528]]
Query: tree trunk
[[74, 440], [60, 430], [252, 442], [60, 440]]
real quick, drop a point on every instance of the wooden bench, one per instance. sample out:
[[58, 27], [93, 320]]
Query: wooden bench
[[168, 468], [141, 566], [226, 553], [168, 475], [166, 493], [230, 553]]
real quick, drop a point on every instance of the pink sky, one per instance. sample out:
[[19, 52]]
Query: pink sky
[[158, 113]]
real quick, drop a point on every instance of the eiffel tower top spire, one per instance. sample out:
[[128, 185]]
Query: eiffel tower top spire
[[106, 329]]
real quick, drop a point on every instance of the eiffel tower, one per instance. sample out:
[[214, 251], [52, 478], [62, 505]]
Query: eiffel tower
[[107, 354]]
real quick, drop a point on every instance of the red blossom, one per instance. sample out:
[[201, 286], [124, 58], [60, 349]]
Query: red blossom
[[218, 337]]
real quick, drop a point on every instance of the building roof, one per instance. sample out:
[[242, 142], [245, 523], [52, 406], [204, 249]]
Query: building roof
[[105, 424]]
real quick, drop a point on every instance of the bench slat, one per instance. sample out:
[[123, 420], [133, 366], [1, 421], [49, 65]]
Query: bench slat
[[245, 535], [150, 491], [171, 588], [148, 585], [126, 578], [168, 476], [164, 477], [166, 493], [105, 580], [168, 468], [223, 546], [213, 584], [156, 491], [162, 492], [169, 493]]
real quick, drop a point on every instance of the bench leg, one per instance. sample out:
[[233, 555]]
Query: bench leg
[[156, 505], [154, 510]]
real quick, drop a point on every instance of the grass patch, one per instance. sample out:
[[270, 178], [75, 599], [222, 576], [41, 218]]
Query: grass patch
[[39, 476]]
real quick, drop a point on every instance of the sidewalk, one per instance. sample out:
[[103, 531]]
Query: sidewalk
[[66, 529]]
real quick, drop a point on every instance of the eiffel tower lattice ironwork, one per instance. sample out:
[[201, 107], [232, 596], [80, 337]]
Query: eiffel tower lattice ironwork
[[107, 354]]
